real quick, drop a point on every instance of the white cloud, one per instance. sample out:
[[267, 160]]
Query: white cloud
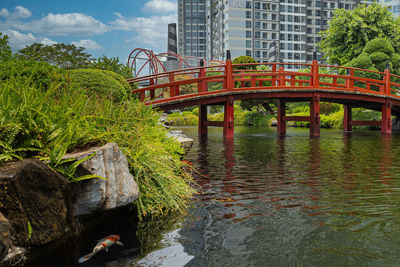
[[149, 30], [20, 12], [4, 12], [47, 41], [88, 44], [19, 40], [77, 24], [160, 6]]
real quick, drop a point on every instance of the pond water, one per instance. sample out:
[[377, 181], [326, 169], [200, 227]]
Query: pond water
[[296, 201]]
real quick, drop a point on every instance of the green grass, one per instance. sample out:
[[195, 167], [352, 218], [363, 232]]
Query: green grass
[[64, 118]]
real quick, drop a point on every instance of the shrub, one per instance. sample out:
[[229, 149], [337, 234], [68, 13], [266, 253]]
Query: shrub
[[66, 118], [362, 61], [378, 45], [100, 83], [37, 74], [377, 57]]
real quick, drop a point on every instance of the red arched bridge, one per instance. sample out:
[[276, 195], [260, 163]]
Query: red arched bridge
[[223, 84]]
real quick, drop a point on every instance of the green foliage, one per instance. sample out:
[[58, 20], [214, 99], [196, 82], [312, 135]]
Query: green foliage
[[378, 45], [111, 64], [214, 86], [61, 55], [34, 122], [5, 49], [350, 30], [244, 60], [374, 57], [38, 74], [101, 83]]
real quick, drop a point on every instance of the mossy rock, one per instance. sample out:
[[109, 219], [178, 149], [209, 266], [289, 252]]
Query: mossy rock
[[100, 83], [378, 45]]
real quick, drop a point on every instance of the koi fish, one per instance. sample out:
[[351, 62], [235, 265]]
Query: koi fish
[[103, 244]]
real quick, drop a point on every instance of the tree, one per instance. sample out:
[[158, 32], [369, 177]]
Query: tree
[[5, 49], [62, 55], [111, 64], [350, 30]]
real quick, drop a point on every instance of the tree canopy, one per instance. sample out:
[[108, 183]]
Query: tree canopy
[[350, 30], [5, 49], [66, 56]]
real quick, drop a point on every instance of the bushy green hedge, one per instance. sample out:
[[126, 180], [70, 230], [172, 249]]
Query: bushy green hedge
[[101, 83]]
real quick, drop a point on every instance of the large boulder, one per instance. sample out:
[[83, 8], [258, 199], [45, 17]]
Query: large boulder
[[37, 202], [120, 188]]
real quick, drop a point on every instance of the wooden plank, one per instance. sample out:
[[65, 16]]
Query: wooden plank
[[363, 123], [215, 123], [297, 118]]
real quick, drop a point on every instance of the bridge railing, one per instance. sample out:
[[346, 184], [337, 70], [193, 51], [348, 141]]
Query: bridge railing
[[255, 76]]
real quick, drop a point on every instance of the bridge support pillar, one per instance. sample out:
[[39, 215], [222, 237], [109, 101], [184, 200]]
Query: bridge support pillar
[[229, 117], [347, 127], [281, 122], [203, 120], [386, 123], [314, 117]]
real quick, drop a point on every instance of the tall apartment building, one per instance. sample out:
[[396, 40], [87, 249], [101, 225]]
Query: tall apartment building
[[268, 30], [394, 6], [192, 28]]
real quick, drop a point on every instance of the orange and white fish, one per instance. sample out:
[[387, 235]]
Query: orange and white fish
[[103, 244]]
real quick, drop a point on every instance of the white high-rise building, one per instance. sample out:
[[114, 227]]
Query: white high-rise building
[[267, 30], [394, 6]]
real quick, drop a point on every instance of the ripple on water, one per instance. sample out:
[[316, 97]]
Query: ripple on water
[[333, 201]]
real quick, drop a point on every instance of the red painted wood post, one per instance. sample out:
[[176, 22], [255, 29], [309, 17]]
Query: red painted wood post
[[173, 89], [203, 120], [387, 79], [314, 117], [282, 77], [315, 71], [152, 92], [273, 76], [228, 85], [347, 127], [142, 96], [229, 117], [202, 85], [386, 122], [281, 123]]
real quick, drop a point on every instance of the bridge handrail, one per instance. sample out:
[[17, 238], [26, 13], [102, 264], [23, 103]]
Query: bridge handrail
[[166, 74], [233, 78]]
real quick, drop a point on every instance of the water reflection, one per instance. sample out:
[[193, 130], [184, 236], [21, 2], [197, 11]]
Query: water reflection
[[294, 201]]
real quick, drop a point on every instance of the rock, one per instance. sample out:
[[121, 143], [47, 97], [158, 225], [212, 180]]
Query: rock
[[37, 202], [96, 194], [5, 241], [186, 142], [15, 256]]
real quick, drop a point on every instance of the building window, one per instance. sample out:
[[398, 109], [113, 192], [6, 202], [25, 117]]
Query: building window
[[257, 34], [248, 24], [257, 54], [257, 44], [248, 4], [248, 34], [248, 44], [257, 15], [257, 5], [248, 53], [248, 14]]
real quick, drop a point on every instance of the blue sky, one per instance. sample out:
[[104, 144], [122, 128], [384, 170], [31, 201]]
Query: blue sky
[[104, 27]]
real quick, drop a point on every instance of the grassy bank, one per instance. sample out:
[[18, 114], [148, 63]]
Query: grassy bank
[[331, 116], [47, 112]]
